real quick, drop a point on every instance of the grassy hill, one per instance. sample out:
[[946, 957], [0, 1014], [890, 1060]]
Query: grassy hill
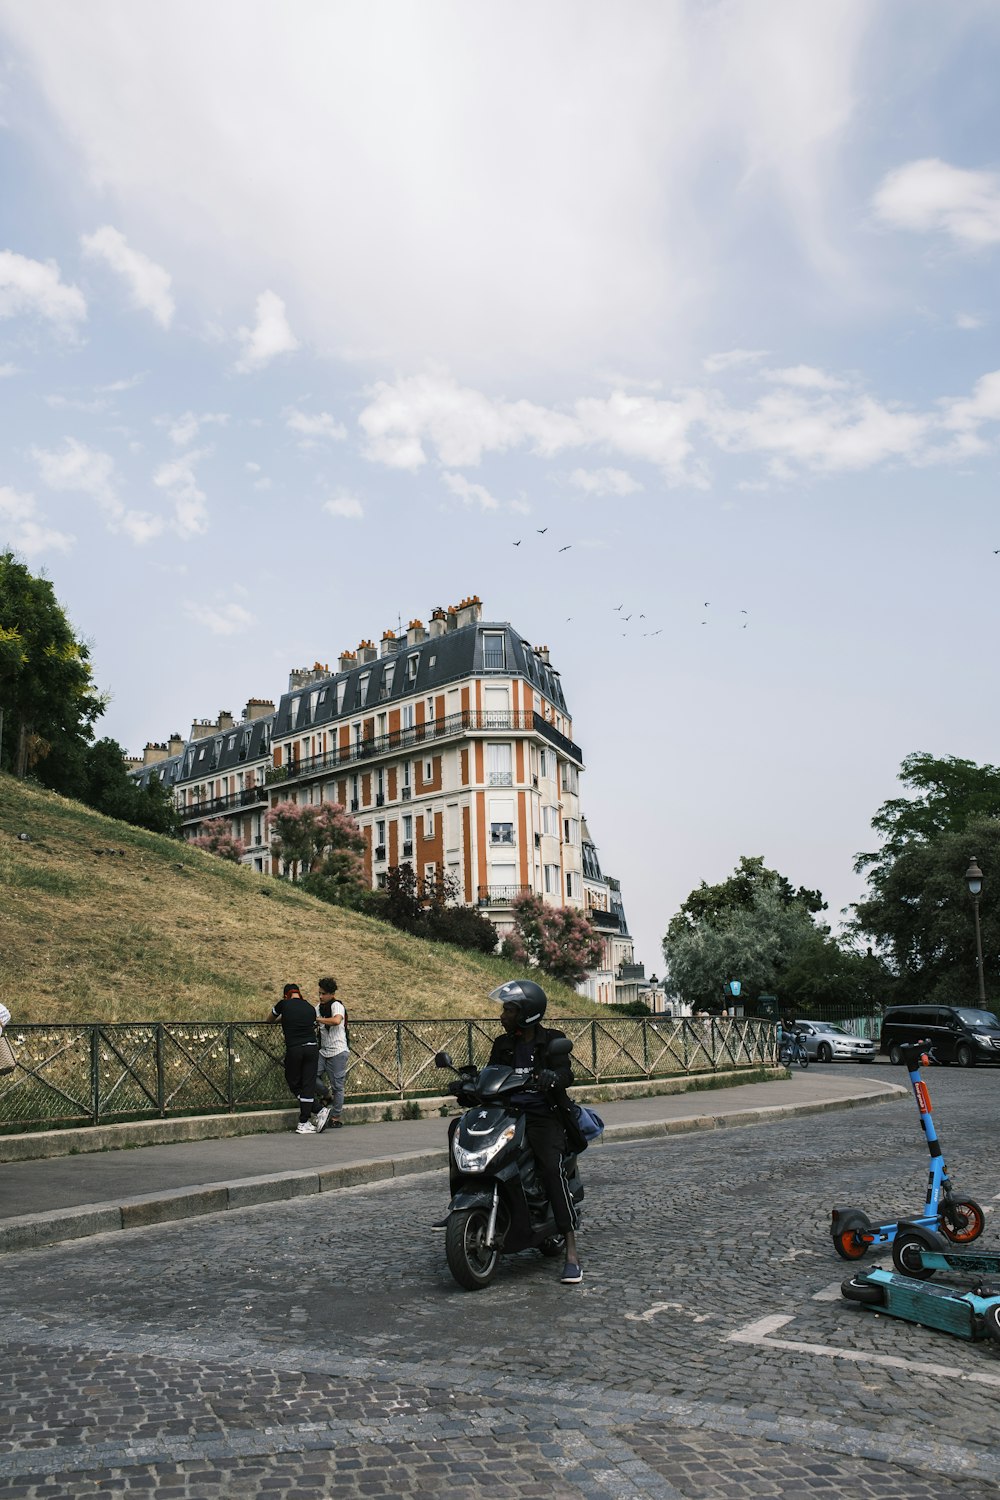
[[103, 921]]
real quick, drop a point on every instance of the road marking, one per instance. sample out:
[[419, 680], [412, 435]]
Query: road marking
[[831, 1293], [759, 1333], [794, 1254], [659, 1307]]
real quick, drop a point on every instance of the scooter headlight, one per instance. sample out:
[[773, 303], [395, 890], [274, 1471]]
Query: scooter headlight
[[476, 1161]]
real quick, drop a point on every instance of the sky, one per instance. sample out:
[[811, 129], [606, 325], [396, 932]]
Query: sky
[[668, 328]]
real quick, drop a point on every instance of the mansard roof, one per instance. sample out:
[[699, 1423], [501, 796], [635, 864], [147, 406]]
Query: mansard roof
[[441, 660], [227, 749]]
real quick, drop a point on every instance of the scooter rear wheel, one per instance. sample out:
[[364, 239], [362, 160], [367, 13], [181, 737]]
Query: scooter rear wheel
[[848, 1246], [471, 1261], [962, 1220], [859, 1290]]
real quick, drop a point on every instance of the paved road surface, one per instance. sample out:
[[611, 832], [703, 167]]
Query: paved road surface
[[319, 1348]]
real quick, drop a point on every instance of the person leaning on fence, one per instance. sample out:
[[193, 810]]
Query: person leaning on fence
[[298, 1022], [334, 1055]]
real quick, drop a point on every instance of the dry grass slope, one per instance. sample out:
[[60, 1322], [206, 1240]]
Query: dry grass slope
[[157, 930]]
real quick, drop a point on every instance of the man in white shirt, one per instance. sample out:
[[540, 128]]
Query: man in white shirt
[[334, 1054]]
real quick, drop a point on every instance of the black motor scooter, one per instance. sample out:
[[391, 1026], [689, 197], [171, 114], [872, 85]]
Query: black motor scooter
[[498, 1204]]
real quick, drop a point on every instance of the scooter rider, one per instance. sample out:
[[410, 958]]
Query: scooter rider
[[523, 1046]]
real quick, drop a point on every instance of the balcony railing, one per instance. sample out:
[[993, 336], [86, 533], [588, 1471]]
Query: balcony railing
[[453, 726], [208, 808], [606, 921], [501, 895]]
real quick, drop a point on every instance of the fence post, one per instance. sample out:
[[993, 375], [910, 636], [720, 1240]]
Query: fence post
[[95, 1074], [230, 1075], [645, 1046], [593, 1048], [468, 1043], [399, 1058], [160, 1091]]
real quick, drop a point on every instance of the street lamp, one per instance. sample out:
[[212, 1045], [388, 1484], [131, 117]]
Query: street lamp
[[974, 880]]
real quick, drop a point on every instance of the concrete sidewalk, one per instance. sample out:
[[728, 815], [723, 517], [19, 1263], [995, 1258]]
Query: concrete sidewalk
[[67, 1197]]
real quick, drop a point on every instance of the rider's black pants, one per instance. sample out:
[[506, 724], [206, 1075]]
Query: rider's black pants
[[547, 1140]]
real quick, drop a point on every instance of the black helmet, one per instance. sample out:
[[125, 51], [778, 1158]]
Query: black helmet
[[528, 997]]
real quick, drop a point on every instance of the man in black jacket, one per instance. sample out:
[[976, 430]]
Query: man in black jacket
[[298, 1022], [524, 1045]]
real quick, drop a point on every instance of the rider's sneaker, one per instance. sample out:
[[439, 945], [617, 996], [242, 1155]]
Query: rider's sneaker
[[307, 1129], [322, 1118], [571, 1274]]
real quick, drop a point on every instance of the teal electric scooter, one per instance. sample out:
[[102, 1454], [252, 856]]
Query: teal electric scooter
[[906, 1292]]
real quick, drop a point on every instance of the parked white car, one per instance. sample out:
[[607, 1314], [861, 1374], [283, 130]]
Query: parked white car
[[825, 1042]]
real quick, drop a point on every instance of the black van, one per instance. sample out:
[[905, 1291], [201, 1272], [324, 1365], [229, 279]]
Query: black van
[[956, 1033]]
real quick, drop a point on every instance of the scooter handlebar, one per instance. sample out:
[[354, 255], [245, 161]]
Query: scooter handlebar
[[915, 1053]]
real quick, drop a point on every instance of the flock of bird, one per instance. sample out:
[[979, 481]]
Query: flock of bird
[[617, 609]]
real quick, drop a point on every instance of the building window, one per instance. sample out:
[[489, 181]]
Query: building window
[[313, 700], [407, 835], [341, 690], [406, 789], [387, 676], [429, 823], [411, 668], [493, 651], [355, 791], [294, 713], [502, 833], [499, 765], [356, 728], [428, 770], [379, 787], [429, 714], [363, 682], [544, 766], [571, 884], [407, 716], [552, 880], [550, 821]]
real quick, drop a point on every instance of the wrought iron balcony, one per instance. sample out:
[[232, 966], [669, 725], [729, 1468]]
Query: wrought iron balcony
[[210, 807], [501, 895], [453, 726], [605, 921]]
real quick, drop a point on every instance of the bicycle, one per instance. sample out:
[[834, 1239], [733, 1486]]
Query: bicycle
[[792, 1050]]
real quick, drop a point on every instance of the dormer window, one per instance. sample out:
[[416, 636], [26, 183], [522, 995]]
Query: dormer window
[[294, 712], [411, 668], [363, 682]]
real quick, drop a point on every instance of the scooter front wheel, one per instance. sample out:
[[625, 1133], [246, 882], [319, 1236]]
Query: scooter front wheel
[[991, 1322], [471, 1261], [962, 1220]]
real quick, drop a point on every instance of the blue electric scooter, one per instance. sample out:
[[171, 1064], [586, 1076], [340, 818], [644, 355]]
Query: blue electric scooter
[[959, 1220], [917, 1253]]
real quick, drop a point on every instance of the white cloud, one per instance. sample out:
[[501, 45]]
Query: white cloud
[[604, 481], [220, 619], [930, 195], [75, 403], [24, 529], [126, 384], [177, 479], [471, 494], [571, 233], [7, 370], [824, 432], [34, 286], [269, 336], [805, 378], [148, 283], [347, 507], [185, 428], [320, 425], [731, 359], [91, 472], [969, 321]]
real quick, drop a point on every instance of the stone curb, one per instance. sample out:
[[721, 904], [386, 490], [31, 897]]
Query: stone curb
[[38, 1231]]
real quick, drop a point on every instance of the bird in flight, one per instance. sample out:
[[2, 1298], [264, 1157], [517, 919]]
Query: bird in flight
[[566, 548], [515, 544], [708, 603], [541, 530], [626, 618], [642, 617], [620, 606]]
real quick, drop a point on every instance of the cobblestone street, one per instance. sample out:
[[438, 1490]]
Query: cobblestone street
[[320, 1348]]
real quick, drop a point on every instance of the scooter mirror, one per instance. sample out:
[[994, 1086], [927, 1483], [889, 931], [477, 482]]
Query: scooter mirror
[[561, 1047], [443, 1060]]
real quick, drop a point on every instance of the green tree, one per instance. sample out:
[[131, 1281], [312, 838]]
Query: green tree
[[755, 942], [946, 794], [108, 787], [919, 915], [710, 903], [47, 690]]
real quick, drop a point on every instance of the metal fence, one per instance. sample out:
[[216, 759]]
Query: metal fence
[[90, 1074]]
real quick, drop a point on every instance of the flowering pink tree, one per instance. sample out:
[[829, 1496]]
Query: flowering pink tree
[[322, 840], [217, 837], [560, 940]]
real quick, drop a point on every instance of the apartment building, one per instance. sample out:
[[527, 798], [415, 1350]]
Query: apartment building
[[451, 745], [616, 979]]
